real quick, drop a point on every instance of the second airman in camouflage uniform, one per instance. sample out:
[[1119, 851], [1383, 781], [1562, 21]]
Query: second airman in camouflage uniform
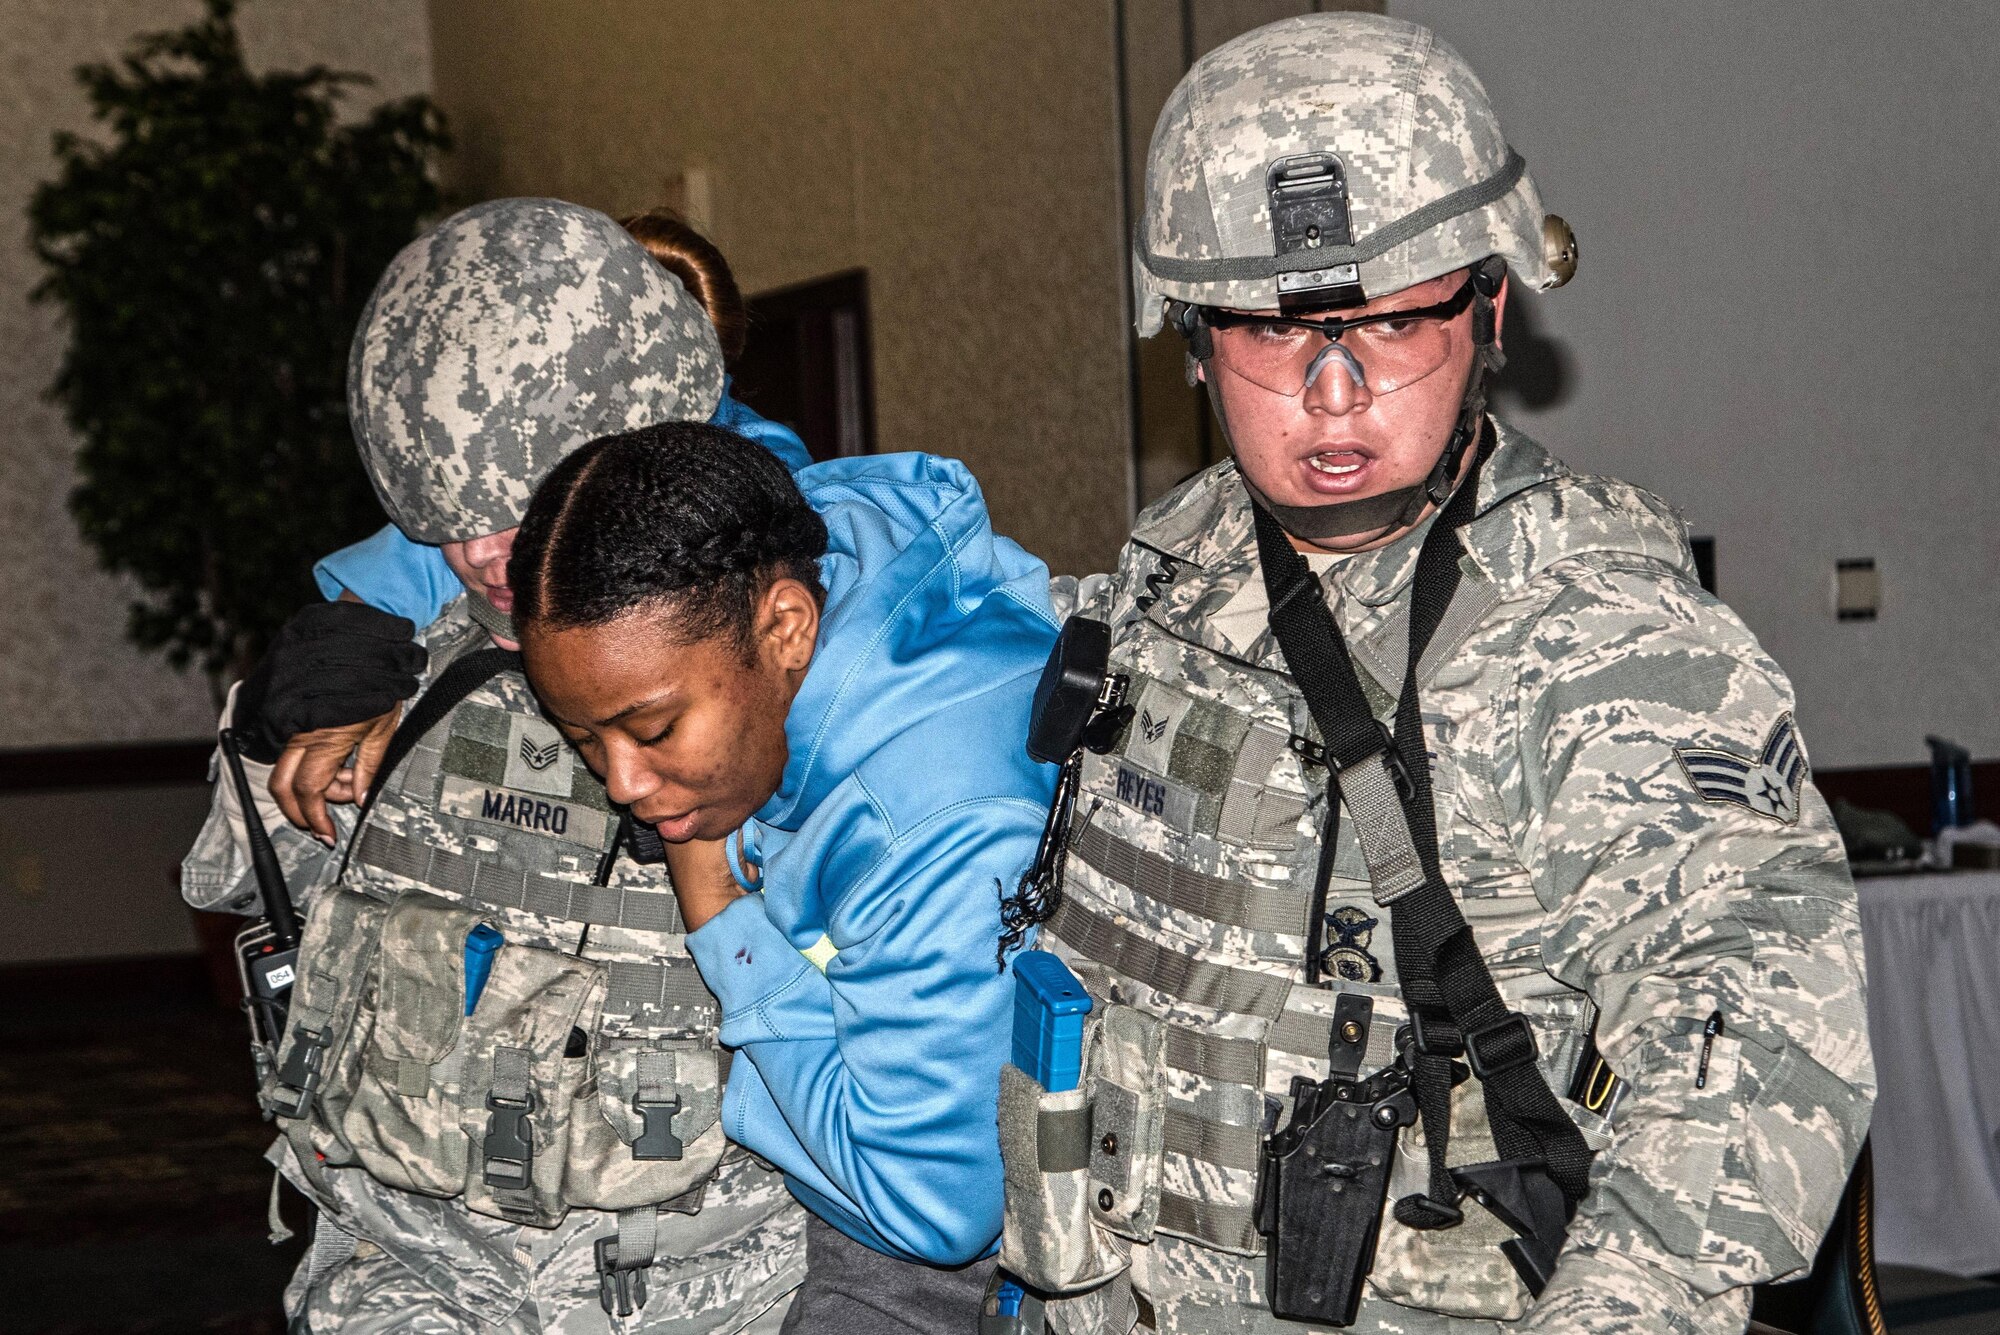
[[516, 1156], [1623, 803]]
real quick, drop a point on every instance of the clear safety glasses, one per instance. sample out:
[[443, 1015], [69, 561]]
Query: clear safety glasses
[[1386, 352]]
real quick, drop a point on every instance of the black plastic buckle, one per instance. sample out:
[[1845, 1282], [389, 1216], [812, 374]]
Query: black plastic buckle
[[621, 1290], [1435, 1037], [1522, 1195], [1392, 759], [1512, 1044], [657, 1140], [509, 1148], [300, 1073]]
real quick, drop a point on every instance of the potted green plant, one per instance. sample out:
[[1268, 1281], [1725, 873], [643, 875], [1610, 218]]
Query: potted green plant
[[211, 251]]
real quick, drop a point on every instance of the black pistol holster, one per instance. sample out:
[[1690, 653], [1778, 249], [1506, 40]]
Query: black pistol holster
[[1325, 1175]]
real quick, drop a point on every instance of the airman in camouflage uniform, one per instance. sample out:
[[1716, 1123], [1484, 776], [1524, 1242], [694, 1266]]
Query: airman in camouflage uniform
[[481, 1166], [1623, 804]]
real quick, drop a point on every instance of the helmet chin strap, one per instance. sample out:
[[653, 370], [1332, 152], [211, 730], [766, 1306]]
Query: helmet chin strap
[[494, 621], [1401, 508]]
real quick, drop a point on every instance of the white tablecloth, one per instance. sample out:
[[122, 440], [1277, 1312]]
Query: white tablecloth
[[1933, 947]]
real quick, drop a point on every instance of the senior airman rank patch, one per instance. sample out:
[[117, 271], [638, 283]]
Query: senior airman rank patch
[[1767, 783]]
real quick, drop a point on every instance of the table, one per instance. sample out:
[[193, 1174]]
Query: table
[[1933, 944]]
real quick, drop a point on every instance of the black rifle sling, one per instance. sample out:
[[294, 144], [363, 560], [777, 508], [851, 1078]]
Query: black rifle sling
[[463, 677], [1443, 978]]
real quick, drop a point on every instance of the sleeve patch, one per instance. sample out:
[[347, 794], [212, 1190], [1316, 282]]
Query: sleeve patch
[[1767, 783]]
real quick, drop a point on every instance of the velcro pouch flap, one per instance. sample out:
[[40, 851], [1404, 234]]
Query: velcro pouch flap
[[632, 1071], [1048, 1238], [1125, 1073], [421, 1004]]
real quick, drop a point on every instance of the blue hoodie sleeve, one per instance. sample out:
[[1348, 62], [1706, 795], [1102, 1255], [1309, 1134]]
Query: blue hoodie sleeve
[[411, 579], [388, 571], [875, 1087]]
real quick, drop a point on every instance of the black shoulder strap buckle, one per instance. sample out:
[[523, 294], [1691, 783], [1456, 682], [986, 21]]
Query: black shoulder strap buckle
[[1504, 1045], [1392, 757]]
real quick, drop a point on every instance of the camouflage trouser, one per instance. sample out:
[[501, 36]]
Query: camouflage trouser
[[373, 1295], [429, 1266]]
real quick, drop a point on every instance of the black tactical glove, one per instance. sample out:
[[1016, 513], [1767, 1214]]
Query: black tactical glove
[[332, 664]]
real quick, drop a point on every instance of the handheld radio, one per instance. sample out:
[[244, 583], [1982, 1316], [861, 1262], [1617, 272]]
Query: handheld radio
[[267, 951]]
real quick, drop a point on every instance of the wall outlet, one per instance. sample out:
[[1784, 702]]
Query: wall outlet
[[1857, 589]]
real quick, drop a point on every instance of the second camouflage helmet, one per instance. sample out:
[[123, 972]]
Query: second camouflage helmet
[[503, 339], [1430, 183]]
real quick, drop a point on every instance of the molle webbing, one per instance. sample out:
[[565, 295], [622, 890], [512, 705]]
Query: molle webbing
[[1237, 1061], [1252, 813], [467, 876], [1237, 1147], [1260, 908], [1231, 1227], [668, 995], [1213, 1057], [1216, 986]]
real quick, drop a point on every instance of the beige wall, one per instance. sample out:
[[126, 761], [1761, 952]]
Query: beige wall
[[66, 672], [962, 154]]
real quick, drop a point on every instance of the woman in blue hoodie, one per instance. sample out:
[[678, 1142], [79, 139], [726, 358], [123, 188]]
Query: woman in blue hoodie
[[816, 688]]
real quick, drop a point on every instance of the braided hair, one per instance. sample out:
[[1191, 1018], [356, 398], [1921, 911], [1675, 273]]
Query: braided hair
[[680, 514]]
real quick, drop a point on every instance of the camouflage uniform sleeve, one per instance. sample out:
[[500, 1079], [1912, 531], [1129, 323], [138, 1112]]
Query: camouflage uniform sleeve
[[1695, 887], [1086, 595], [216, 874]]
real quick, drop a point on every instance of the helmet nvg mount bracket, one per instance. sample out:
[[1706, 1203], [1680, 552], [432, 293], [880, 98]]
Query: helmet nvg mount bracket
[[1309, 214]]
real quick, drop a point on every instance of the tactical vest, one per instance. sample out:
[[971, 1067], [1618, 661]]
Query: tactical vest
[[1190, 878], [587, 1074]]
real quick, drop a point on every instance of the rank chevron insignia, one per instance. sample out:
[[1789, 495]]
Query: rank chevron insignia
[[1767, 784], [539, 757], [1153, 728]]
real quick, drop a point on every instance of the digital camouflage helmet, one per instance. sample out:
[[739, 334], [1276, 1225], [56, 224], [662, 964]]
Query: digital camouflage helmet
[[503, 339], [1429, 181], [1317, 163]]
